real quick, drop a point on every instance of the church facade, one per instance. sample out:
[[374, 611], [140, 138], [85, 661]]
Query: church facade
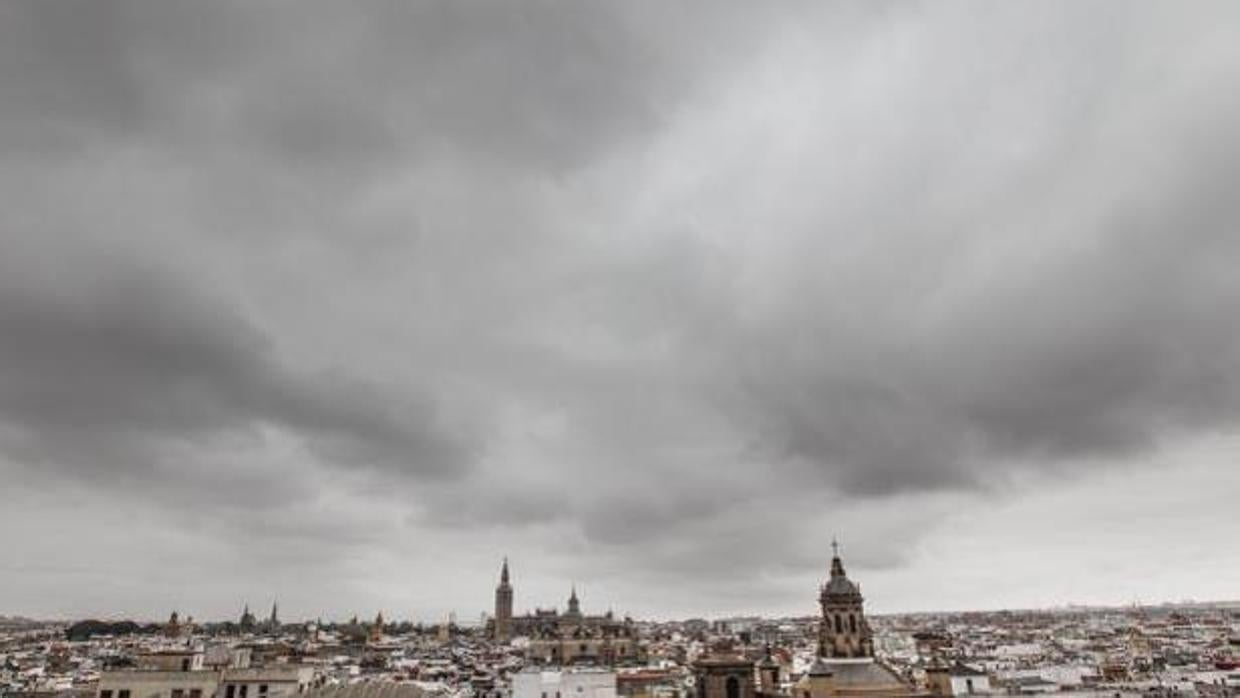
[[564, 638], [845, 667], [843, 632]]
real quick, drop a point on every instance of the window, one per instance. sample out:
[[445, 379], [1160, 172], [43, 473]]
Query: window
[[969, 684], [105, 694], [178, 693], [852, 623], [245, 690], [733, 687], [195, 693], [839, 627], [123, 693], [230, 691], [262, 690], [185, 664]]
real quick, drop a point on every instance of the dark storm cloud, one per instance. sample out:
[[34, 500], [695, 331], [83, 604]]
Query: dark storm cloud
[[103, 364], [1099, 344], [631, 281], [322, 86]]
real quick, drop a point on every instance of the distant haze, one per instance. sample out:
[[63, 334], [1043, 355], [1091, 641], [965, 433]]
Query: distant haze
[[339, 303]]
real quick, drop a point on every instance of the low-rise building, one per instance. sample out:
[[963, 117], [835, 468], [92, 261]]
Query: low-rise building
[[569, 683]]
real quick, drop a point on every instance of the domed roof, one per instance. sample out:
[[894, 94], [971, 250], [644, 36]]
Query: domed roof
[[840, 584]]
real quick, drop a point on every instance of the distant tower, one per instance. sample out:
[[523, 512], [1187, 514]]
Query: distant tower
[[503, 606], [274, 621], [247, 621], [722, 672], [173, 627], [843, 630], [574, 606], [376, 629], [768, 674]]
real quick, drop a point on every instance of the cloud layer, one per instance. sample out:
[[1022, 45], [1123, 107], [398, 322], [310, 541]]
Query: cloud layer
[[623, 289]]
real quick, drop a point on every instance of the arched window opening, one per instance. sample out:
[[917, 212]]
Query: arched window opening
[[734, 687]]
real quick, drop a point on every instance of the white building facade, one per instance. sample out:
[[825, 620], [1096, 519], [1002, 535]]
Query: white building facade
[[577, 683]]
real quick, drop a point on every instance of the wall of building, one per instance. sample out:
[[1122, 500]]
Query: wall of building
[[564, 684], [583, 651], [157, 684], [965, 685], [266, 682], [171, 661]]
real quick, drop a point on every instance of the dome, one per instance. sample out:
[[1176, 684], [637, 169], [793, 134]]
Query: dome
[[840, 584]]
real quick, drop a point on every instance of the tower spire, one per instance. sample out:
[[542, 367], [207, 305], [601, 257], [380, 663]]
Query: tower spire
[[837, 565], [503, 606], [842, 631]]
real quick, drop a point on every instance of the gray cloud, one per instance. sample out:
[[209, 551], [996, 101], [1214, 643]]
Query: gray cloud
[[102, 366], [621, 288]]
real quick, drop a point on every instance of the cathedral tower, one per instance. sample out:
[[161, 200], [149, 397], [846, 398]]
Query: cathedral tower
[[843, 630], [503, 606]]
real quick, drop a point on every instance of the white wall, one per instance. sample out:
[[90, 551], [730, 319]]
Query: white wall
[[960, 685], [564, 684]]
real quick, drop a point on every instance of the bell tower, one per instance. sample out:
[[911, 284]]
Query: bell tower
[[503, 606], [843, 630]]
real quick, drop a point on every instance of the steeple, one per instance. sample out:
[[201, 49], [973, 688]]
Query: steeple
[[376, 629], [837, 566], [574, 606], [503, 606], [247, 621], [843, 630], [275, 616]]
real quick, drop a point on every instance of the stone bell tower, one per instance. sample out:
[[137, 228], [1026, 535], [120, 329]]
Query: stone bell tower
[[503, 606], [843, 631]]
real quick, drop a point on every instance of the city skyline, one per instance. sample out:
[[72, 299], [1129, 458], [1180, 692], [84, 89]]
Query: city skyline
[[342, 303], [474, 618]]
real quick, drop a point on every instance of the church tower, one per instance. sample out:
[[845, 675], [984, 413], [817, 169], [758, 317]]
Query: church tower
[[574, 606], [503, 606], [843, 631]]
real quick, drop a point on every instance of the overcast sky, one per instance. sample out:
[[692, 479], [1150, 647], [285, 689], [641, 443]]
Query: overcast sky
[[342, 302]]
